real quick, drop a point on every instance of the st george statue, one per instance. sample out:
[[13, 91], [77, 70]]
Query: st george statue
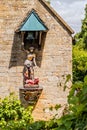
[[28, 72]]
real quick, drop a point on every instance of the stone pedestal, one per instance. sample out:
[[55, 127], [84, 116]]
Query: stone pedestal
[[30, 96]]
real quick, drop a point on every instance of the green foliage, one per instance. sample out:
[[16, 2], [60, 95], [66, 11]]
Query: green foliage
[[57, 106], [68, 78], [38, 125], [79, 64], [81, 38], [12, 115], [80, 52]]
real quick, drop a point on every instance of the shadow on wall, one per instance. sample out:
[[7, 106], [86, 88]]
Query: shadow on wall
[[18, 56], [39, 54]]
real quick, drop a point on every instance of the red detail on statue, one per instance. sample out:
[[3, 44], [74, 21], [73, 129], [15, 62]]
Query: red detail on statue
[[32, 83]]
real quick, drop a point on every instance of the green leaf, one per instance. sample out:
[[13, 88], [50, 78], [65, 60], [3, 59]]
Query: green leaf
[[85, 80]]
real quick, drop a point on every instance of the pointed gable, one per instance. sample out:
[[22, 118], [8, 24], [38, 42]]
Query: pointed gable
[[56, 15], [33, 23]]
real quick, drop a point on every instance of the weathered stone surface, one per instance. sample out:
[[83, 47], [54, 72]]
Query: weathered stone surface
[[55, 58]]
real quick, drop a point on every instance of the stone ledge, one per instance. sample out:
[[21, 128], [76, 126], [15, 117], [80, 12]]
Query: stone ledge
[[31, 89], [30, 96]]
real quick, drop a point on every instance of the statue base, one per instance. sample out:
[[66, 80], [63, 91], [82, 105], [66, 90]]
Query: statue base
[[31, 86], [30, 95]]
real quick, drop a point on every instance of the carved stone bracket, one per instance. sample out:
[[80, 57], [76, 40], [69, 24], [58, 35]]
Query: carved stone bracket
[[30, 96]]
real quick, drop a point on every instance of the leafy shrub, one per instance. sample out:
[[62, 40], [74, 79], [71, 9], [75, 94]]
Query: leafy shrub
[[79, 64], [13, 115]]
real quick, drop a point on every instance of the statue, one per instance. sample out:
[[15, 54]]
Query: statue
[[29, 64]]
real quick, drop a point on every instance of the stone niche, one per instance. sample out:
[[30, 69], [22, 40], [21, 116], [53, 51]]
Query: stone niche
[[31, 42]]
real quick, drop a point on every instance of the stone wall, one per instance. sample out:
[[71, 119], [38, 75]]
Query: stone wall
[[11, 15], [55, 55]]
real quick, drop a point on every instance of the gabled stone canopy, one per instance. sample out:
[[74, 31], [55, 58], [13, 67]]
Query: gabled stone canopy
[[33, 23]]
